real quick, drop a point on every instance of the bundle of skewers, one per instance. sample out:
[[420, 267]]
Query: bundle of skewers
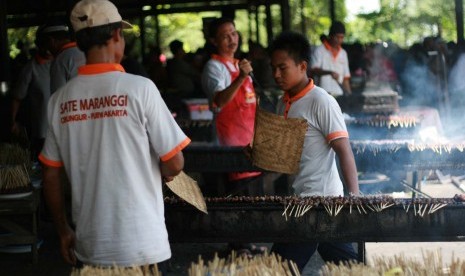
[[298, 206], [15, 169], [431, 264], [188, 123], [266, 264], [391, 146], [14, 179], [388, 121], [13, 154]]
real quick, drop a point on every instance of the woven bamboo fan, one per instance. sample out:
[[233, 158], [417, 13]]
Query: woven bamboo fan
[[186, 188], [278, 142]]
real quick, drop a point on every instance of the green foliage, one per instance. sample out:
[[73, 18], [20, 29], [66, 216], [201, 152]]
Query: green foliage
[[401, 21], [24, 35], [405, 22]]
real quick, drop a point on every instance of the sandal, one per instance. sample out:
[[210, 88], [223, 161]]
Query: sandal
[[256, 250], [245, 252]]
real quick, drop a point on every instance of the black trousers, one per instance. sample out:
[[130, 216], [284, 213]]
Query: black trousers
[[300, 253]]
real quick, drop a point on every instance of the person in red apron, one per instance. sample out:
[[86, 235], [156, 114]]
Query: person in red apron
[[229, 87], [228, 84]]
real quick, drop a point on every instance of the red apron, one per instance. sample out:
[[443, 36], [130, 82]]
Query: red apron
[[235, 121]]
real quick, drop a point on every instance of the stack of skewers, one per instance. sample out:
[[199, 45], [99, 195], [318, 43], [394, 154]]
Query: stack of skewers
[[432, 264], [116, 271], [15, 168], [266, 264]]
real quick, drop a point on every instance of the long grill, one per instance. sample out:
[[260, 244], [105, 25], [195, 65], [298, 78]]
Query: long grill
[[244, 219], [369, 155]]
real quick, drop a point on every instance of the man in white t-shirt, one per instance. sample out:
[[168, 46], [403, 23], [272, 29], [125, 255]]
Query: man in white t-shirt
[[325, 138], [330, 64], [33, 89], [67, 56], [116, 139]]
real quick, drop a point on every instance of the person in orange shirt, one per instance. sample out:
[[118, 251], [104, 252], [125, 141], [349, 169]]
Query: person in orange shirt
[[326, 138], [31, 93], [230, 90], [330, 63], [116, 140], [227, 82]]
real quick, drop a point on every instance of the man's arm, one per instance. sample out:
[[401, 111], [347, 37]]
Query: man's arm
[[223, 97], [16, 103], [346, 86], [347, 162], [315, 71], [53, 193], [172, 167]]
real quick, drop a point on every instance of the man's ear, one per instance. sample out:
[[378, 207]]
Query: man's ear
[[212, 41], [303, 65], [117, 34]]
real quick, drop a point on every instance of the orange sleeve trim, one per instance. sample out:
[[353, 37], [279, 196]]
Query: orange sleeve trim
[[347, 77], [337, 135], [49, 162], [176, 149]]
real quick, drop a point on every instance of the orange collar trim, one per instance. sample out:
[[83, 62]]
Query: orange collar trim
[[223, 59], [99, 68], [288, 100], [303, 92], [334, 52], [41, 60], [68, 45]]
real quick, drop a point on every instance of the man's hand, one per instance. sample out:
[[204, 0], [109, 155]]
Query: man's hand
[[335, 76], [246, 67], [167, 179], [67, 245], [248, 152]]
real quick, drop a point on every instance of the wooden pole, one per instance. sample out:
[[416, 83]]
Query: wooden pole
[[4, 49], [459, 21], [269, 23], [285, 15], [332, 10]]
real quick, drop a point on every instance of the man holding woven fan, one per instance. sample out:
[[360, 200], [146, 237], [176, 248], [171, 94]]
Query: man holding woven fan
[[325, 138], [116, 139]]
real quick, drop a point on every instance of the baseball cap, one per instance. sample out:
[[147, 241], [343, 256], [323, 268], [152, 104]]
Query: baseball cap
[[51, 28], [94, 13]]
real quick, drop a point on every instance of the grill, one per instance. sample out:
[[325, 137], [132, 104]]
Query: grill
[[369, 155], [263, 221]]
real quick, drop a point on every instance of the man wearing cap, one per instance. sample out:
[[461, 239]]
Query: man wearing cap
[[330, 65], [67, 56], [116, 139]]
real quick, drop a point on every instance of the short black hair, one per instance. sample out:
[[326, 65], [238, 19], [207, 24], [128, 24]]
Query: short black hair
[[96, 36], [337, 28], [175, 46], [215, 24], [294, 43]]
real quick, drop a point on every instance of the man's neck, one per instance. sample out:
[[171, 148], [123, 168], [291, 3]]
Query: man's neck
[[102, 54], [299, 87]]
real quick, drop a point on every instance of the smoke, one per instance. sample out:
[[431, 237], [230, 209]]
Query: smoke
[[432, 92], [456, 124]]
